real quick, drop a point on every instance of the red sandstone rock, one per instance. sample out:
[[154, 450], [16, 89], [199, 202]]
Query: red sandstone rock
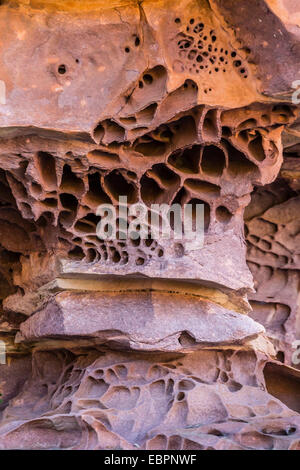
[[162, 103]]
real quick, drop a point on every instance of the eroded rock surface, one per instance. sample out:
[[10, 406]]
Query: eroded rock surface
[[272, 225], [149, 343], [204, 400]]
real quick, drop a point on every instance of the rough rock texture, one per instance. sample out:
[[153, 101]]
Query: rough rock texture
[[204, 400], [149, 343]]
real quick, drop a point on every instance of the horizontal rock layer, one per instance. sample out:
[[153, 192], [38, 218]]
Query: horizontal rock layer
[[149, 343], [203, 400]]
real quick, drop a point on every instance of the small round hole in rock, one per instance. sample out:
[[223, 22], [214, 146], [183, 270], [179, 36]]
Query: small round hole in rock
[[234, 386], [62, 69]]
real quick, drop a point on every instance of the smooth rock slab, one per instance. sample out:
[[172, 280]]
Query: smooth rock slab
[[140, 320]]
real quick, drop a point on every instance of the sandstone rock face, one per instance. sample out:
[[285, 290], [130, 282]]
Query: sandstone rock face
[[204, 400], [145, 323], [149, 342], [272, 230]]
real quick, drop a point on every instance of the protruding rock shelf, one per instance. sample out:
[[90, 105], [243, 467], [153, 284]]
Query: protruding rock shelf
[[149, 342]]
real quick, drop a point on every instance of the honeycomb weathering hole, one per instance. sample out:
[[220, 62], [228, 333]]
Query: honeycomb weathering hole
[[213, 161], [188, 158], [117, 185], [46, 166]]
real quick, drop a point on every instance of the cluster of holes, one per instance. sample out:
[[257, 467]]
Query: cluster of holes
[[138, 126], [272, 315], [160, 184], [72, 203], [265, 240], [62, 69], [192, 167], [199, 50], [277, 280], [197, 170], [139, 110], [111, 388]]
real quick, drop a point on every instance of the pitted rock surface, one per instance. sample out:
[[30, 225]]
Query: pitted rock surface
[[149, 343]]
